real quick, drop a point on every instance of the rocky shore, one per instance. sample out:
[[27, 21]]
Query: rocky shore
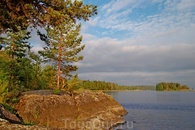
[[85, 110]]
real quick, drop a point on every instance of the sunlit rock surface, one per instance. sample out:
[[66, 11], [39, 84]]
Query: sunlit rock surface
[[84, 110]]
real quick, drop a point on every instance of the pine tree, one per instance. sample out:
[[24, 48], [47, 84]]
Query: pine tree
[[16, 16], [26, 74], [47, 77], [16, 43], [23, 13], [63, 44], [16, 47], [36, 61]]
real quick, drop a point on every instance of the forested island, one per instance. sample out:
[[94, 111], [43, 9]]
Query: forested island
[[170, 87]]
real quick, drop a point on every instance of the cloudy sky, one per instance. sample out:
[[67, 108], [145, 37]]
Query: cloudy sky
[[138, 42]]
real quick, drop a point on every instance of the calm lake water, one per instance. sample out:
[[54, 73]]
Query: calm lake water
[[151, 110]]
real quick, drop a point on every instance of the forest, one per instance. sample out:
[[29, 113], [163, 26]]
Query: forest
[[170, 87], [102, 85], [22, 69]]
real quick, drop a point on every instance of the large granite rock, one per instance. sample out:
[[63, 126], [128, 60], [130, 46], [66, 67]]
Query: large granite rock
[[6, 125], [5, 114], [86, 110]]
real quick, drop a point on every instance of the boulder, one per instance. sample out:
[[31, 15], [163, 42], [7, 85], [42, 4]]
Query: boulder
[[5, 125], [5, 114], [85, 110]]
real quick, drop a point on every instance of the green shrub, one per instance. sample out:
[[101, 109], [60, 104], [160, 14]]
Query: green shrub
[[12, 96], [3, 91], [72, 85], [10, 108], [15, 100], [28, 122], [36, 113], [56, 91]]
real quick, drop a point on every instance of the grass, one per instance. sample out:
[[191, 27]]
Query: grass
[[78, 119], [35, 113], [9, 108], [93, 96], [56, 91], [82, 89], [47, 125], [111, 98], [28, 122], [15, 100]]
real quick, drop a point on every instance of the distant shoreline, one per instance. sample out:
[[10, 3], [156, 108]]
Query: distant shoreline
[[146, 90]]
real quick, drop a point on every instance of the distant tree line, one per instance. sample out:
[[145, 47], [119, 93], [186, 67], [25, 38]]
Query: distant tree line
[[170, 86], [102, 85]]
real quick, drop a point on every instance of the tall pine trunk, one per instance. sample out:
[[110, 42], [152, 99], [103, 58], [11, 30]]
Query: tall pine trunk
[[35, 82], [11, 75], [36, 77], [13, 47], [51, 82], [60, 51]]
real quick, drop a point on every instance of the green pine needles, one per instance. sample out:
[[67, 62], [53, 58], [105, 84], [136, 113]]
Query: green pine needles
[[21, 68], [63, 44], [16, 42]]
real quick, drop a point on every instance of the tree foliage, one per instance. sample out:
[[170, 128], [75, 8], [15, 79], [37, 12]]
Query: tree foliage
[[16, 47], [23, 13], [16, 43], [21, 70], [170, 87], [63, 44], [102, 85]]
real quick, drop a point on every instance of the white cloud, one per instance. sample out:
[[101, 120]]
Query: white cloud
[[165, 33], [118, 5], [35, 39], [157, 1], [106, 6], [172, 17], [88, 37], [84, 28], [94, 21], [159, 47], [126, 62], [141, 78], [129, 56], [36, 49], [76, 0], [181, 6]]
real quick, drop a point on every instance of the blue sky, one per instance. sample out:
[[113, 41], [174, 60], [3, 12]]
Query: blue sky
[[138, 42]]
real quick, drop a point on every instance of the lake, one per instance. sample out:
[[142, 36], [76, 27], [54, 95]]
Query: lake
[[154, 110]]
